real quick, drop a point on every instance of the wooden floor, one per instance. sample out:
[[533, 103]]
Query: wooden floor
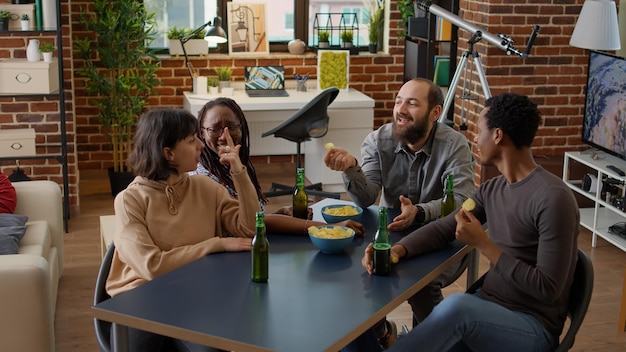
[[74, 324]]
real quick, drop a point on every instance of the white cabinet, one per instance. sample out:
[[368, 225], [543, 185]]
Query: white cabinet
[[598, 218]]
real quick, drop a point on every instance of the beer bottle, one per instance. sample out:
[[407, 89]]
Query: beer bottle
[[300, 198], [382, 245], [260, 251], [448, 203]]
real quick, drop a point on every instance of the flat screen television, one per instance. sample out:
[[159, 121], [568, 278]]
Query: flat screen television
[[604, 122]]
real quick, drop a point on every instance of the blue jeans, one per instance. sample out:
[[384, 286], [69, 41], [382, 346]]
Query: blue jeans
[[466, 322]]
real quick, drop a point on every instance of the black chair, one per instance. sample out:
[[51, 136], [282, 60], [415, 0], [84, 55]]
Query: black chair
[[580, 296], [309, 122], [103, 328]]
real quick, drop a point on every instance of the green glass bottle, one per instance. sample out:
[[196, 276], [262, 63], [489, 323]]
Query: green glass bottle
[[300, 198], [260, 251], [382, 245], [448, 204]]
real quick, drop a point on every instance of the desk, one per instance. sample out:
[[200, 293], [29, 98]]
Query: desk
[[351, 119], [312, 302]]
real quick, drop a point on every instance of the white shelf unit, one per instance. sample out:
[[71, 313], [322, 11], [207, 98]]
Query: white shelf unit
[[598, 218]]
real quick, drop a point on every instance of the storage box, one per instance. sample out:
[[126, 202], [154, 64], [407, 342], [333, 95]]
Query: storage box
[[17, 142], [19, 76], [16, 14]]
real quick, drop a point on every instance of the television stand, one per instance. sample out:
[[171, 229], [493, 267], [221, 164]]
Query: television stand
[[603, 214]]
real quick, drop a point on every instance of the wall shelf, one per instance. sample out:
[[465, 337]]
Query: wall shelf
[[59, 95]]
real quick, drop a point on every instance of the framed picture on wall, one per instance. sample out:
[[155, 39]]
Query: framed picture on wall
[[333, 69], [247, 28]]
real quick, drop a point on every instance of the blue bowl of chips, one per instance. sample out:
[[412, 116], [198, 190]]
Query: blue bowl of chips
[[331, 239], [341, 212]]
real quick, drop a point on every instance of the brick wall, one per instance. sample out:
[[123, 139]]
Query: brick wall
[[554, 76]]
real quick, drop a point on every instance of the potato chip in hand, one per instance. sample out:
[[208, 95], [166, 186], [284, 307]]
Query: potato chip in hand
[[469, 204], [329, 146]]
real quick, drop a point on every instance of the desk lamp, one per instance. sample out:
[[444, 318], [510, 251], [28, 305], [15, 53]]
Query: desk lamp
[[597, 28], [215, 34]]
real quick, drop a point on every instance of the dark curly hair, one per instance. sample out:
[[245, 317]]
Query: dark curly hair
[[158, 129], [516, 115], [210, 159]]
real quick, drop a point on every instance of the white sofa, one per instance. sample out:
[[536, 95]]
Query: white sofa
[[29, 280]]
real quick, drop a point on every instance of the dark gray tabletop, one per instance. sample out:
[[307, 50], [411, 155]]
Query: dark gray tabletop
[[312, 301]]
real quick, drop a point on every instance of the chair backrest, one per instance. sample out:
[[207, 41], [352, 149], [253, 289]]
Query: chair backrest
[[580, 296], [311, 121], [103, 328]]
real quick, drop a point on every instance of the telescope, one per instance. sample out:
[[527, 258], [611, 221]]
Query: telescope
[[501, 41]]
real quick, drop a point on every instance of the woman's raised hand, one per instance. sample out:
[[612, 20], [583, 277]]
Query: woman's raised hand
[[229, 153]]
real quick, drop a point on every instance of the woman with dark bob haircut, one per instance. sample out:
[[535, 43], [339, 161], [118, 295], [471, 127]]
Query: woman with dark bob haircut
[[166, 218]]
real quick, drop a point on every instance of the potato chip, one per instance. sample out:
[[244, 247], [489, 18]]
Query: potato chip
[[346, 210], [469, 204], [329, 146], [332, 232]]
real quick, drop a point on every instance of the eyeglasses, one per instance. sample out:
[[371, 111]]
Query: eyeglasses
[[217, 131]]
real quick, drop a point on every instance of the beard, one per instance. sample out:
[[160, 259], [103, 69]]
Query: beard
[[410, 134]]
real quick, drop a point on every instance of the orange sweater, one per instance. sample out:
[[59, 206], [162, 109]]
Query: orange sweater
[[161, 227]]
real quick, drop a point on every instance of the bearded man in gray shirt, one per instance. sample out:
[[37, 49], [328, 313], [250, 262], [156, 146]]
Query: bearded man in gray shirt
[[408, 160]]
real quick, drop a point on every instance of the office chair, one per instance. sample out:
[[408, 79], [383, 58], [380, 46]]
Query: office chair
[[103, 328], [580, 296], [309, 122]]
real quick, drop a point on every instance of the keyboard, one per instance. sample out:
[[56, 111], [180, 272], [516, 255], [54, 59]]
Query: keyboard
[[267, 93]]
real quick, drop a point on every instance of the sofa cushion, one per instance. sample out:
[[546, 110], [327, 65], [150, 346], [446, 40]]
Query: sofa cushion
[[8, 197], [12, 230], [37, 240]]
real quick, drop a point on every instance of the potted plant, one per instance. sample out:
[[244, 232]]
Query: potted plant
[[223, 76], [213, 84], [25, 22], [407, 10], [194, 46], [5, 17], [323, 37], [46, 49], [346, 38], [120, 73], [375, 23]]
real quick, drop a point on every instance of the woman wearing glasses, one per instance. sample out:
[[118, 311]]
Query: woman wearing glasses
[[222, 122]]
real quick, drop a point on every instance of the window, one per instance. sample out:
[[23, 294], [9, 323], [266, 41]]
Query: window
[[288, 19]]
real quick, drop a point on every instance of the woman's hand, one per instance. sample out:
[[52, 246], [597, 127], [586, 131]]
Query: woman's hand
[[288, 211], [359, 230], [229, 153], [237, 244]]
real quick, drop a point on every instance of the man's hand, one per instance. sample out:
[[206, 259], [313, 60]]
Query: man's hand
[[397, 251], [470, 231], [338, 159], [406, 217]]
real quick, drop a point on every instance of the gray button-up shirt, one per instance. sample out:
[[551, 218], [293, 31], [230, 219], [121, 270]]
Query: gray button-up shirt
[[389, 165]]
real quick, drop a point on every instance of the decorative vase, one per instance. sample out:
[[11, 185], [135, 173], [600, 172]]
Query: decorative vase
[[32, 51], [296, 47], [224, 84], [47, 56], [25, 24]]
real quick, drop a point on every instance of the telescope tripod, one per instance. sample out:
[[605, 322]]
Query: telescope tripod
[[463, 69]]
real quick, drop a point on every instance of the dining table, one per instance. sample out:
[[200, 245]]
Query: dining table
[[312, 302]]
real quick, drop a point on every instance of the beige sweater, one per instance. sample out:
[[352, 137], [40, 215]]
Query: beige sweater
[[162, 227]]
